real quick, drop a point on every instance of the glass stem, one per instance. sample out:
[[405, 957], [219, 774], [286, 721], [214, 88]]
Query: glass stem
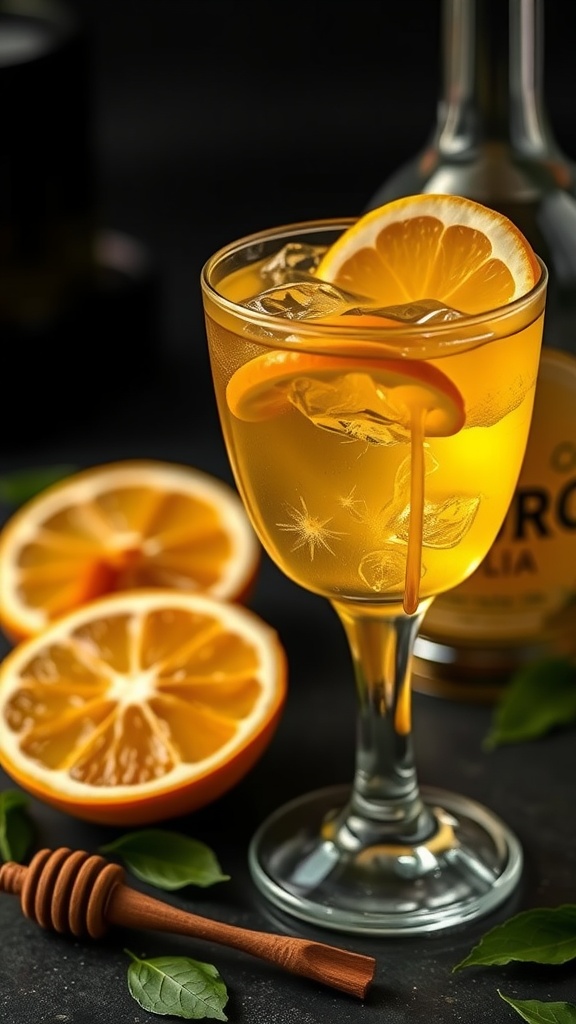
[[385, 806]]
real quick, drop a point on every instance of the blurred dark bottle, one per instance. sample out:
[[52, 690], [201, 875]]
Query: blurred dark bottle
[[68, 289], [493, 143]]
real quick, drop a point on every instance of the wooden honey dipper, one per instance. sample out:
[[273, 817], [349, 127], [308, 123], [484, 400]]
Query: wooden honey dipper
[[73, 892]]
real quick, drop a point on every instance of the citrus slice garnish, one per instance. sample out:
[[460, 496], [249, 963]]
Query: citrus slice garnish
[[121, 526], [441, 247], [271, 383], [141, 705]]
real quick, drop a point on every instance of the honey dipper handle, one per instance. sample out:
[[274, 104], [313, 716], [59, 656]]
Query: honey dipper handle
[[349, 972], [73, 892]]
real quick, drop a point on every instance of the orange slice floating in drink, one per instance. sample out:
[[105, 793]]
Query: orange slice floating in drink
[[271, 383]]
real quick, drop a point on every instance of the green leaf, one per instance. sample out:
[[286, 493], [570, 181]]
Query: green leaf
[[539, 698], [16, 828], [22, 484], [541, 936], [536, 1012], [178, 986], [167, 860]]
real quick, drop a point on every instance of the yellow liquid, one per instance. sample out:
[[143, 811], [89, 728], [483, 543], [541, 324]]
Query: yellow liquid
[[358, 517]]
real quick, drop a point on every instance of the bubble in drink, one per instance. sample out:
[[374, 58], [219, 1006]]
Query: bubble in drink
[[295, 262], [500, 402], [384, 569], [423, 311], [353, 405], [310, 299], [445, 523], [301, 301]]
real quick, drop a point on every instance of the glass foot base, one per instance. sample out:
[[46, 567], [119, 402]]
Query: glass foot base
[[308, 865]]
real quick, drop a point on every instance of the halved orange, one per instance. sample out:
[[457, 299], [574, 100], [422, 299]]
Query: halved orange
[[140, 706], [123, 525], [430, 246]]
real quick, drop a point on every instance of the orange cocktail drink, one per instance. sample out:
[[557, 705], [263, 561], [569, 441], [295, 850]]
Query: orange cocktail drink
[[375, 383], [383, 469]]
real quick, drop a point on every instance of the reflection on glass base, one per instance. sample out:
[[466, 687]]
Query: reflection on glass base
[[302, 860]]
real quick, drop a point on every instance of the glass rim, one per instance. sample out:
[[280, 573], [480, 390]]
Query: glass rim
[[469, 329]]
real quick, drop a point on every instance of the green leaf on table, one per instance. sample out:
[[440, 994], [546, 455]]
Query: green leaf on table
[[166, 859], [541, 936], [537, 1012], [16, 828], [177, 986], [22, 484], [541, 697]]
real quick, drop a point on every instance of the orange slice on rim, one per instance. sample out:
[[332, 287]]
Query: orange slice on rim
[[140, 706], [441, 247], [128, 524]]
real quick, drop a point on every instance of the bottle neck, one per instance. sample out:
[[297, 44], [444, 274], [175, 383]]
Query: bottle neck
[[493, 60]]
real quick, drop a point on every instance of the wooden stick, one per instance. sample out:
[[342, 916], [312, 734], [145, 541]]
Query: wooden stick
[[77, 893]]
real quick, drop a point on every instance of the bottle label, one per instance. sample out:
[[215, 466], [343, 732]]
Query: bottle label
[[529, 576]]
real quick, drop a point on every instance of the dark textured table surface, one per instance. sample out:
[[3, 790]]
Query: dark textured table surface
[[174, 104], [50, 978]]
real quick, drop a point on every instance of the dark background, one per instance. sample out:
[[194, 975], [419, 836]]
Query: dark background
[[209, 120], [214, 119]]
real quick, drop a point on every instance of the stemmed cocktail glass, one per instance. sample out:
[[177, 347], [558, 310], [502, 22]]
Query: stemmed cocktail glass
[[376, 453]]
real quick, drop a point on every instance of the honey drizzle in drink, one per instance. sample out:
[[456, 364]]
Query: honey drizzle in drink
[[416, 526]]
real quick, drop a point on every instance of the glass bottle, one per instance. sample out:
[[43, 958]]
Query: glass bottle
[[493, 142]]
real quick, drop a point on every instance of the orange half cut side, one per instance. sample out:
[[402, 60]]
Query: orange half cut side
[[141, 705], [120, 526]]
